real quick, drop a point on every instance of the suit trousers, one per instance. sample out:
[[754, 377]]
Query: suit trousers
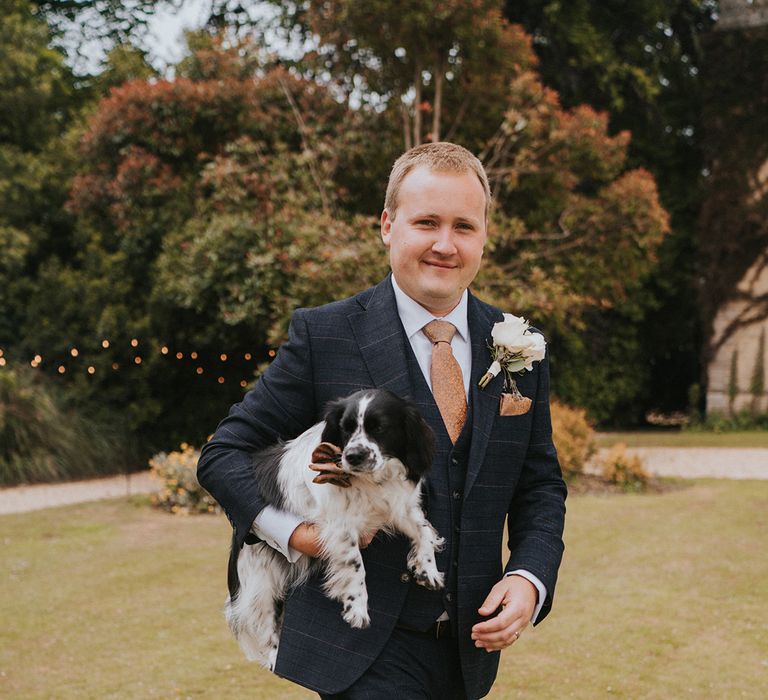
[[412, 666]]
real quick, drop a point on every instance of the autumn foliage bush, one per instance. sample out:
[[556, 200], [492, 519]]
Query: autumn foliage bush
[[573, 436], [623, 469], [180, 492]]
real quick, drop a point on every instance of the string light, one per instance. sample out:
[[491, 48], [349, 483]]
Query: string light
[[271, 353], [74, 352]]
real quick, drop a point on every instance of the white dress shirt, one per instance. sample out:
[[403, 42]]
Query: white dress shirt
[[275, 526]]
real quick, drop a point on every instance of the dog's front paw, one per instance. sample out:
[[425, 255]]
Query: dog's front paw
[[424, 571], [428, 577], [355, 614], [438, 543]]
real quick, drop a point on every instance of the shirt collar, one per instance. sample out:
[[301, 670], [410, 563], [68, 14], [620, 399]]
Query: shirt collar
[[414, 316]]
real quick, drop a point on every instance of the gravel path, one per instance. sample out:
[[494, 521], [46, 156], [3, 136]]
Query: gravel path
[[21, 499], [716, 462]]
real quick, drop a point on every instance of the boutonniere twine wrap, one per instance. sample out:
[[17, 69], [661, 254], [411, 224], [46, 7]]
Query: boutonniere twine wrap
[[515, 348]]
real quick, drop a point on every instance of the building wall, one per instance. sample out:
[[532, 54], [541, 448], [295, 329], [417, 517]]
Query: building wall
[[745, 341]]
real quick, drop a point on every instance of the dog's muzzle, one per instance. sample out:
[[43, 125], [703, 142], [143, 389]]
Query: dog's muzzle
[[358, 457]]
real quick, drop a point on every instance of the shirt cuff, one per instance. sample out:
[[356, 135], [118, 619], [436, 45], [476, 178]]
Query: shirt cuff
[[275, 527], [539, 587]]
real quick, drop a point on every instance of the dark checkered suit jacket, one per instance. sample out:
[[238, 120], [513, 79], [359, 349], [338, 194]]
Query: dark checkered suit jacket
[[512, 470]]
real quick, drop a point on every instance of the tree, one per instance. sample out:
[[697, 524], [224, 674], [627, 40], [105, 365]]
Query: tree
[[643, 63], [438, 68], [37, 102]]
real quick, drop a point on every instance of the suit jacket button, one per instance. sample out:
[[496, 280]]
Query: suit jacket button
[[405, 577], [448, 597], [456, 495]]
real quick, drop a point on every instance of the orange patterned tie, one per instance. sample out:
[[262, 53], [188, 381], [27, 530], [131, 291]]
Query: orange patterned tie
[[447, 380]]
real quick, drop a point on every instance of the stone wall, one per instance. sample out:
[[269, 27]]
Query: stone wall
[[744, 342]]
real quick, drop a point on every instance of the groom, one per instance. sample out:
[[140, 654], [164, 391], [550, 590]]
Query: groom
[[488, 466]]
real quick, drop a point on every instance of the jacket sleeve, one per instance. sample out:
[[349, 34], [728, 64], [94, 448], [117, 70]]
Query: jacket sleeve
[[537, 510], [279, 407]]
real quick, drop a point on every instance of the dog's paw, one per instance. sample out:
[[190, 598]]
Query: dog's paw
[[355, 614], [439, 543], [272, 659], [429, 577]]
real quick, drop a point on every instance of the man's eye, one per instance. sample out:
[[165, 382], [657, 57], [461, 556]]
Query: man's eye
[[425, 222]]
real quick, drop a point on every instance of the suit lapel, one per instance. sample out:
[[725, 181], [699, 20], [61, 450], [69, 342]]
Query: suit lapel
[[485, 402], [380, 337]]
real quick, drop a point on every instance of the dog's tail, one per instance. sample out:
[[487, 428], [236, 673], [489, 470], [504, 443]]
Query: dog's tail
[[233, 580]]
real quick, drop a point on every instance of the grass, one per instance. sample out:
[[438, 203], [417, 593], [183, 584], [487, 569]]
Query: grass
[[667, 438], [660, 596]]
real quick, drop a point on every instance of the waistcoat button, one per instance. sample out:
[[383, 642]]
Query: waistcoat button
[[404, 577]]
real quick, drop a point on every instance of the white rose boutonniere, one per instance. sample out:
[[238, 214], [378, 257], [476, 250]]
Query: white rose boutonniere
[[515, 348]]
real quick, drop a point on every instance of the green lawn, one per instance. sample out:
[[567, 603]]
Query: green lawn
[[666, 438], [660, 596]]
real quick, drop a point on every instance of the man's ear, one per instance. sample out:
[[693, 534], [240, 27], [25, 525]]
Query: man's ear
[[386, 227]]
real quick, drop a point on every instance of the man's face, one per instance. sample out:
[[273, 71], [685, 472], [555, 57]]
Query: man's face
[[437, 236]]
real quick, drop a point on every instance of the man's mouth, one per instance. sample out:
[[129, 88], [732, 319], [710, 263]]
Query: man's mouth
[[442, 265]]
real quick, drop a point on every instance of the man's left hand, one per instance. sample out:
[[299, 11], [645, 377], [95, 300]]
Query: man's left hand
[[517, 597]]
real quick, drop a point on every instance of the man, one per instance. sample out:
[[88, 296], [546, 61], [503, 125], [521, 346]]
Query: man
[[421, 644]]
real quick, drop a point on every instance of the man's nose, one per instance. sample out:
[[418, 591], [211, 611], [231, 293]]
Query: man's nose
[[444, 244]]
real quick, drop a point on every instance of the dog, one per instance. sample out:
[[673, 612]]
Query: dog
[[385, 450]]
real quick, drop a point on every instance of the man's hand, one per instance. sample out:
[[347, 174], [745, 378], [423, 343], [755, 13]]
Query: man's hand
[[306, 539], [517, 597]]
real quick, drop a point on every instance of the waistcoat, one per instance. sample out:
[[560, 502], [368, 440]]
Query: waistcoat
[[443, 493]]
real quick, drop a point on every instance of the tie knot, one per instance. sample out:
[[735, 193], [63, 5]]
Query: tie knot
[[440, 331]]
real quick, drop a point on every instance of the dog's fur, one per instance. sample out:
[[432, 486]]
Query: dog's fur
[[387, 448]]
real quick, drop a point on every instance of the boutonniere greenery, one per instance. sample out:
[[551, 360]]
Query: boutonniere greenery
[[515, 348]]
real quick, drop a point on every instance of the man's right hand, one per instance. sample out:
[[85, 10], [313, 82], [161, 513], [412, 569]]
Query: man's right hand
[[306, 539]]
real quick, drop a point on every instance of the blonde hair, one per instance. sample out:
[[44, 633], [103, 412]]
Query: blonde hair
[[442, 156]]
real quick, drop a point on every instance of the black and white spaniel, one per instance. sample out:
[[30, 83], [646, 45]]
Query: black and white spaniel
[[386, 449]]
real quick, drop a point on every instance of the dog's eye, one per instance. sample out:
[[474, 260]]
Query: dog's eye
[[348, 425], [373, 425]]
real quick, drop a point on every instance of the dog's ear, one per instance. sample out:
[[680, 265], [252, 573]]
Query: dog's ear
[[334, 412], [421, 444]]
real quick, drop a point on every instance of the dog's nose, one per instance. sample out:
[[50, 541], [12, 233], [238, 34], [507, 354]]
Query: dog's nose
[[355, 456]]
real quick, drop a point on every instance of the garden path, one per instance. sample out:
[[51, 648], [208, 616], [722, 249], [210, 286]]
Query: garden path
[[684, 462]]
